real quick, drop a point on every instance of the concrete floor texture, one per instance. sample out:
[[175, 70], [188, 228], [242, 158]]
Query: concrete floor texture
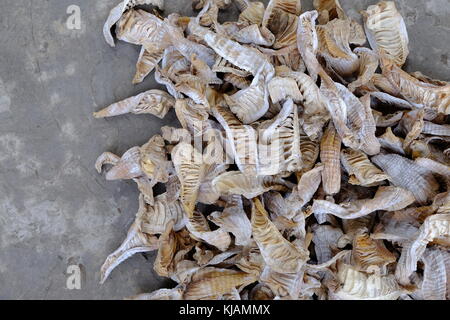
[[55, 209]]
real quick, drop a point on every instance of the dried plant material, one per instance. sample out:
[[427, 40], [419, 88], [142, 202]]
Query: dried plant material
[[154, 162], [406, 174], [435, 227], [258, 100], [412, 125], [387, 121], [280, 18], [234, 220], [286, 285], [190, 169], [147, 61], [150, 32], [360, 169], [334, 47], [125, 167], [207, 193], [354, 227], [199, 228], [279, 139], [251, 12], [369, 255], [174, 135], [235, 182], [418, 93], [283, 89], [330, 148], [308, 42], [381, 85], [162, 78], [278, 253], [325, 240], [167, 250], [251, 34], [203, 71], [209, 14], [243, 57], [308, 184], [315, 113], [261, 292], [237, 81], [394, 230], [368, 64], [146, 165], [137, 240], [386, 31], [436, 270], [161, 294], [200, 4], [251, 103], [155, 102], [392, 100], [420, 76], [391, 142], [356, 285], [338, 110], [386, 198], [188, 47], [329, 10], [161, 213], [224, 66], [341, 256], [242, 139], [191, 115], [360, 121], [310, 153], [173, 63], [419, 148], [250, 260], [434, 166], [117, 12], [214, 282], [436, 129]]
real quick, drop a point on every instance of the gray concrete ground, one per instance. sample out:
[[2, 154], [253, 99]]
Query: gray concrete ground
[[55, 209]]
